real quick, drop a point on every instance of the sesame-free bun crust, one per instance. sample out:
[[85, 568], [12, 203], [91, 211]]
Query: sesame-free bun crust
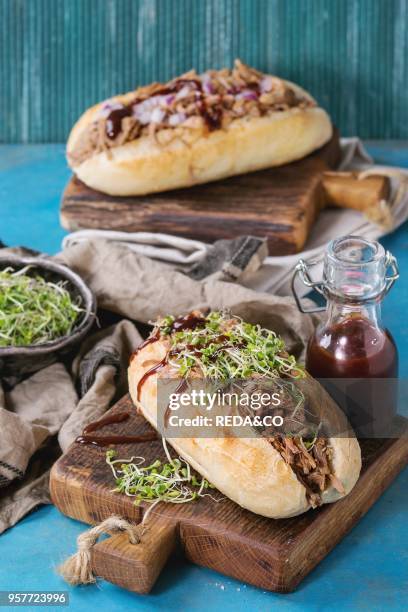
[[249, 471], [182, 157]]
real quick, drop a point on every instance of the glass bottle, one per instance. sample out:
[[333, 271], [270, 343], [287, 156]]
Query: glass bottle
[[351, 342]]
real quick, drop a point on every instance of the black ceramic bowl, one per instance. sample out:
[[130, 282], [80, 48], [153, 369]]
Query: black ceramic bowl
[[23, 360]]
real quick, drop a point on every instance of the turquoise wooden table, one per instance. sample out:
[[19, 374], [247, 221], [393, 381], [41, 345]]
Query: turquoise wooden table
[[367, 570]]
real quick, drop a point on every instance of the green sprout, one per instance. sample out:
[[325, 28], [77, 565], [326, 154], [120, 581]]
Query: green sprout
[[34, 311], [226, 347], [170, 482]]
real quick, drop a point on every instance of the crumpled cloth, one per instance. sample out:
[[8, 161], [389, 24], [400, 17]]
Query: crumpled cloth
[[275, 275], [43, 414]]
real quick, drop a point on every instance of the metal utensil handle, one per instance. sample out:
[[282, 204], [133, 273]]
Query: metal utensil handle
[[302, 270]]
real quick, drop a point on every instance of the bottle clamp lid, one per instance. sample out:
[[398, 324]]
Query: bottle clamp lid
[[355, 270]]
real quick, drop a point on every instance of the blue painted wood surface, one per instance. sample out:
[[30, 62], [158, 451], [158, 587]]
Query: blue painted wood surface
[[57, 57], [368, 570]]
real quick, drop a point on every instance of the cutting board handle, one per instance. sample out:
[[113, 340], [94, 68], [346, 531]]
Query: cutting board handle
[[135, 567], [366, 194]]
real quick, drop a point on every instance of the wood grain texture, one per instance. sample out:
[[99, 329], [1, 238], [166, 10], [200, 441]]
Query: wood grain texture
[[279, 203], [271, 554], [58, 57], [135, 566]]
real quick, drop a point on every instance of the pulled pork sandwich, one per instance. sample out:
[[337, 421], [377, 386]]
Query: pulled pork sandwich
[[273, 474], [194, 129]]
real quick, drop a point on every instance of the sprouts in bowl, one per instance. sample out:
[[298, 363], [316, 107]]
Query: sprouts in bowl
[[45, 310]]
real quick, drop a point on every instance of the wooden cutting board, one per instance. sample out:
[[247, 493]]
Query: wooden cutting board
[[279, 203], [271, 554]]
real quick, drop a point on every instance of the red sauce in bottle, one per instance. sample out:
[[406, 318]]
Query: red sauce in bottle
[[352, 348], [352, 355], [357, 362]]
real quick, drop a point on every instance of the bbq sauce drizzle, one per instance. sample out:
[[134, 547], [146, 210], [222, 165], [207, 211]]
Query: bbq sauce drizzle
[[114, 119], [211, 116], [190, 321], [146, 342], [87, 436], [146, 375]]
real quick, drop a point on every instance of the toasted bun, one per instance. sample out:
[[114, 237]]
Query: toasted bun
[[182, 157], [247, 470]]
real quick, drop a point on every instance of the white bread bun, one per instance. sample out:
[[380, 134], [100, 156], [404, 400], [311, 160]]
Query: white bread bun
[[250, 471], [182, 157]]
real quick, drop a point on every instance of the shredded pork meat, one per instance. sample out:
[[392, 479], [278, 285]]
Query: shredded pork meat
[[207, 101], [312, 466]]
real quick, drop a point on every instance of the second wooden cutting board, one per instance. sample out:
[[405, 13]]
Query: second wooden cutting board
[[279, 203]]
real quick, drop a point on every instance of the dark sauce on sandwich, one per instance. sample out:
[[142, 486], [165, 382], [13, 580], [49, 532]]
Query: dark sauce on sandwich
[[212, 116], [150, 340], [114, 120], [146, 375], [190, 321]]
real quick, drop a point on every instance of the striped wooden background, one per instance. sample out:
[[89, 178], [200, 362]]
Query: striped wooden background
[[59, 56]]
